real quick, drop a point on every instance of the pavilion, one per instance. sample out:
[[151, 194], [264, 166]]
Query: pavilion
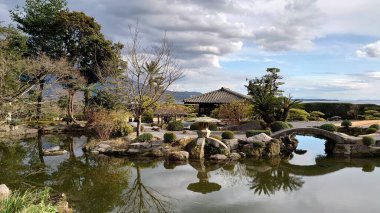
[[211, 100]]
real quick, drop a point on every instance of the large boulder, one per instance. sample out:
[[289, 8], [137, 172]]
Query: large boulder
[[218, 157], [235, 156], [5, 192], [262, 137], [178, 156], [272, 148]]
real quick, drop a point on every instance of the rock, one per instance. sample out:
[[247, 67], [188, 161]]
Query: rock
[[144, 145], [4, 192], [218, 157], [178, 156], [52, 149], [102, 148], [156, 153], [55, 153], [94, 152], [156, 128], [272, 148], [262, 137], [242, 154], [133, 151], [235, 156], [232, 144]]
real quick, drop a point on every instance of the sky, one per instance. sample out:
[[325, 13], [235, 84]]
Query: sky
[[325, 49]]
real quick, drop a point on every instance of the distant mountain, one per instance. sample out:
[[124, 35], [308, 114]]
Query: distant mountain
[[180, 96]]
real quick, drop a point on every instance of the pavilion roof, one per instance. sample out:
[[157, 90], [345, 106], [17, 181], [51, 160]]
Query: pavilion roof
[[221, 96]]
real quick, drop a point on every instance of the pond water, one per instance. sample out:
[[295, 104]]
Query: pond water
[[305, 183]]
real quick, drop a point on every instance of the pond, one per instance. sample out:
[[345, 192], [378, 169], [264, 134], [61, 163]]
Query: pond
[[311, 182]]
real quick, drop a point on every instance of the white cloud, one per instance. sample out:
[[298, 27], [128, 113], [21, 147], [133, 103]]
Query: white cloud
[[370, 50]]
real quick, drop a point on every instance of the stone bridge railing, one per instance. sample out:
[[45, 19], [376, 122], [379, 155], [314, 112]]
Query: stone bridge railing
[[334, 136]]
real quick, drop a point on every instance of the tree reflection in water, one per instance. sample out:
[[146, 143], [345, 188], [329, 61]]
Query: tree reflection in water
[[142, 198], [264, 177]]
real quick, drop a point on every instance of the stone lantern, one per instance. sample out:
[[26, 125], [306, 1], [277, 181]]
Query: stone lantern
[[196, 147]]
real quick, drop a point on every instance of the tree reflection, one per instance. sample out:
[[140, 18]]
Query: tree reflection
[[143, 198], [92, 183]]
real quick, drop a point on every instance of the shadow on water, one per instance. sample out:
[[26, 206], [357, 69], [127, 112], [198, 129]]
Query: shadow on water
[[105, 184]]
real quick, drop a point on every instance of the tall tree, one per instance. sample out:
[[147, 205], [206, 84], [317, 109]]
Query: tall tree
[[265, 94], [148, 75], [55, 31]]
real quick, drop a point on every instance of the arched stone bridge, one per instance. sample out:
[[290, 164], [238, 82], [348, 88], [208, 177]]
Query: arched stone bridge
[[334, 136]]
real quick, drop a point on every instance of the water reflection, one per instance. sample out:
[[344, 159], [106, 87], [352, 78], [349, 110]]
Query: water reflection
[[106, 184], [204, 186], [143, 198]]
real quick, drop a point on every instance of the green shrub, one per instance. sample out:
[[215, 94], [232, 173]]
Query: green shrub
[[175, 126], [251, 133], [298, 115], [258, 144], [279, 125], [145, 137], [170, 137], [217, 137], [371, 131], [212, 126], [375, 126], [346, 123], [329, 127], [194, 126], [316, 116], [28, 201], [228, 135], [368, 141]]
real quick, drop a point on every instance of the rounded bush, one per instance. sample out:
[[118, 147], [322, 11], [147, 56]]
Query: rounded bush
[[368, 141], [122, 129], [170, 137], [145, 137], [228, 135], [279, 125], [194, 126], [371, 130], [375, 126], [329, 127], [213, 127], [346, 123], [251, 133], [175, 126]]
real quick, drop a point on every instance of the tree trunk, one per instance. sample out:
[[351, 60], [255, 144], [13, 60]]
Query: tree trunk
[[285, 115], [138, 124], [70, 105], [86, 101], [39, 100]]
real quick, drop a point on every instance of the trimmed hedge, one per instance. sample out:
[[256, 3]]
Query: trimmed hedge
[[371, 130], [145, 137], [329, 127], [175, 126], [278, 126], [251, 133], [228, 135], [368, 141], [170, 137], [375, 126], [346, 123]]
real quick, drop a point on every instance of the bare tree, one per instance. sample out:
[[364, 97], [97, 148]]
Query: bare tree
[[148, 74]]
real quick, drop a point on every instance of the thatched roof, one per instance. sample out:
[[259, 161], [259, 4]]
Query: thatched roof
[[221, 96]]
